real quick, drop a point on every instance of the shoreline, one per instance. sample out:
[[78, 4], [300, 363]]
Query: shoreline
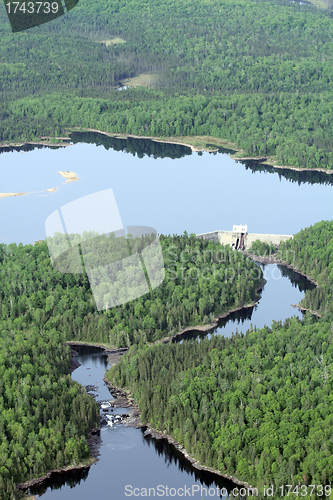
[[92, 440], [263, 160], [125, 397], [273, 260], [40, 480], [125, 394]]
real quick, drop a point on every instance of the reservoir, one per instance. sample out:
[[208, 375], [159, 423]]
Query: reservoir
[[171, 190], [168, 188]]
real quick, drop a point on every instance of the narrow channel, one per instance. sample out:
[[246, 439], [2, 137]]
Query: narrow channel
[[127, 458]]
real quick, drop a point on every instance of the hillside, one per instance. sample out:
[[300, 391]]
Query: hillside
[[255, 73]]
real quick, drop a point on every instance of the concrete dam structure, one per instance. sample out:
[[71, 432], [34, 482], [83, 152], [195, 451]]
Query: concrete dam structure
[[240, 239]]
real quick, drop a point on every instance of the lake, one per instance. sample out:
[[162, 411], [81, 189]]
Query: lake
[[193, 192]]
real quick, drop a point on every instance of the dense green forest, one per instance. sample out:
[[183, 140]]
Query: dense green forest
[[311, 252], [202, 281], [44, 415], [255, 73], [256, 406]]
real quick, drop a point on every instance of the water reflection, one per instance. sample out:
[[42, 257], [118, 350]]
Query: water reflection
[[135, 147], [301, 177], [297, 280], [172, 456], [147, 147], [25, 148], [57, 481]]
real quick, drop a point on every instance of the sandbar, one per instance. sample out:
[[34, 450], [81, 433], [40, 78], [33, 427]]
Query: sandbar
[[5, 195], [70, 176]]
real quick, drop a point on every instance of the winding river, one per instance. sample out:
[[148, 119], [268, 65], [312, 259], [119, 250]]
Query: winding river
[[127, 458], [166, 187]]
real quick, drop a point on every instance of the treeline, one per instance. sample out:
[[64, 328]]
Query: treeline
[[262, 248], [311, 252], [202, 280], [255, 73], [45, 416], [256, 406], [261, 125]]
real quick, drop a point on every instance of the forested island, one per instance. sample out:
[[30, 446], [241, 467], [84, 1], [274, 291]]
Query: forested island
[[255, 75], [256, 406]]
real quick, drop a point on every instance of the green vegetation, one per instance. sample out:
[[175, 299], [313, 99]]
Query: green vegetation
[[257, 74], [262, 248], [256, 406], [45, 416], [311, 252], [203, 280]]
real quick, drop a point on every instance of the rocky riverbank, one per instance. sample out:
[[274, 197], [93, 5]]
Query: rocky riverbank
[[272, 259], [124, 399]]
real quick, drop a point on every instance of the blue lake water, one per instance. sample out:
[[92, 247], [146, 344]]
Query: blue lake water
[[196, 193]]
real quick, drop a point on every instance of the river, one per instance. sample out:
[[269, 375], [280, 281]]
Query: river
[[172, 190], [127, 458]]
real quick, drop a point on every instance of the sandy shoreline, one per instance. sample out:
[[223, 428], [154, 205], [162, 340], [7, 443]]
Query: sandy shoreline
[[6, 195]]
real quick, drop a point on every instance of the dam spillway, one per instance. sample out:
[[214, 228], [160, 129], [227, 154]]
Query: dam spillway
[[240, 239]]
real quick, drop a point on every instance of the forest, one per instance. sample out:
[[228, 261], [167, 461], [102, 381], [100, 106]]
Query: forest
[[257, 74], [201, 282], [256, 406], [311, 251], [45, 417]]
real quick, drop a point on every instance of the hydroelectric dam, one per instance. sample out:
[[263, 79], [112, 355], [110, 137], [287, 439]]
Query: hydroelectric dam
[[240, 239]]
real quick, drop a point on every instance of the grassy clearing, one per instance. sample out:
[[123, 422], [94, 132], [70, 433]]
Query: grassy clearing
[[321, 4], [143, 80], [88, 343], [113, 41]]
